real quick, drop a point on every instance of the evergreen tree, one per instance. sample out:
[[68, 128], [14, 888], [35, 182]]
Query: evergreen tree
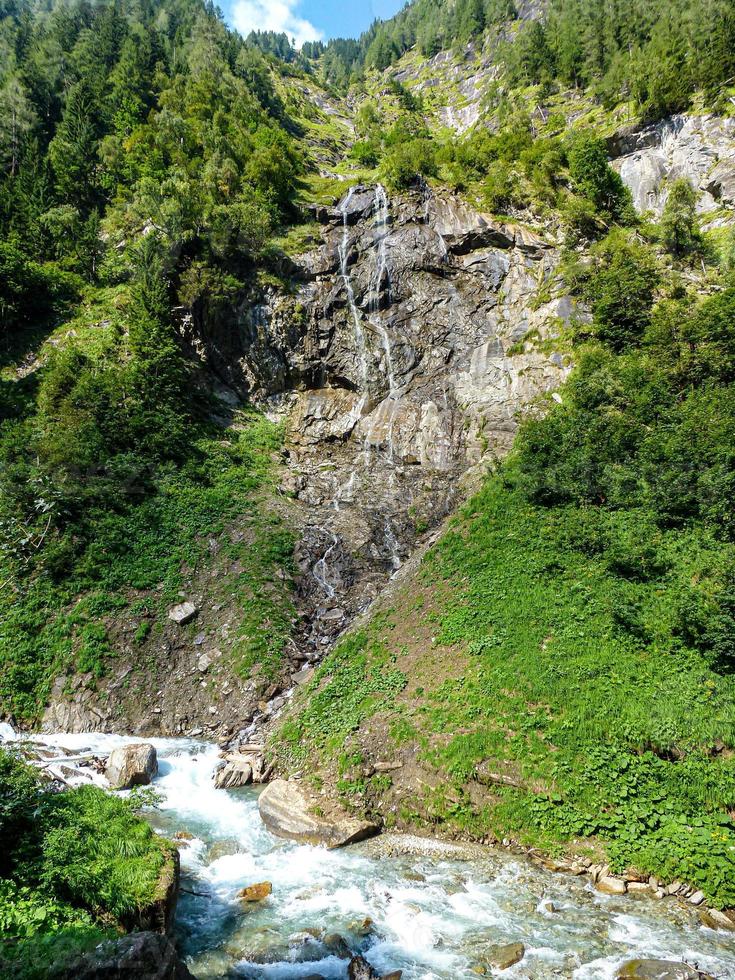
[[679, 229]]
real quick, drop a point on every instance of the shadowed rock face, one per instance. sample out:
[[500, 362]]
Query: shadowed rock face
[[140, 956]]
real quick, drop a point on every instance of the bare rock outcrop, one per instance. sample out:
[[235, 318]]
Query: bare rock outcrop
[[139, 956], [287, 811], [698, 148], [131, 765]]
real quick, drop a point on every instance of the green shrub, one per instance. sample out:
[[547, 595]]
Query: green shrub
[[621, 289], [73, 864], [679, 226], [593, 178], [404, 163]]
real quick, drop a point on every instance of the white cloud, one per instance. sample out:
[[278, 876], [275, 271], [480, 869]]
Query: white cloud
[[273, 15]]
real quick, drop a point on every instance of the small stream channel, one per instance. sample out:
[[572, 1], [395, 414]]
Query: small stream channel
[[430, 916]]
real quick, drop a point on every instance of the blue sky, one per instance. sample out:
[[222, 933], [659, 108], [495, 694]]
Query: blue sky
[[308, 20]]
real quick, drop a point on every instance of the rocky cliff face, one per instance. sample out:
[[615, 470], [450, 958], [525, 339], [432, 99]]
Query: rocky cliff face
[[413, 338], [430, 327], [698, 148]]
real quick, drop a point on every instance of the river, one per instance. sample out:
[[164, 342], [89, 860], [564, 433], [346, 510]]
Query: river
[[424, 913]]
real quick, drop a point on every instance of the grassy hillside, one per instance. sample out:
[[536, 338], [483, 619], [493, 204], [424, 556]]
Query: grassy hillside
[[144, 211]]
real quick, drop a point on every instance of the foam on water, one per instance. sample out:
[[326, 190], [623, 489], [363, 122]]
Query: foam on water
[[435, 928]]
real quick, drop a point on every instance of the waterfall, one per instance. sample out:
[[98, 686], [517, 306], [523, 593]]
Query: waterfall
[[385, 342], [321, 568], [391, 543], [381, 254], [343, 250], [381, 272]]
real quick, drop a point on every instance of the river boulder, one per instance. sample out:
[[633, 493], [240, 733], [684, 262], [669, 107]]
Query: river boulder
[[287, 811], [503, 957], [235, 772], [139, 956], [256, 893], [360, 969], [659, 970], [131, 765]]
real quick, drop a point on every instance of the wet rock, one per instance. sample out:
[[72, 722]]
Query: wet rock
[[362, 927], [611, 886], [236, 772], [223, 848], [139, 956], [337, 946], [503, 957], [658, 970], [714, 919], [183, 613], [360, 969], [287, 811], [303, 676], [256, 893], [131, 765]]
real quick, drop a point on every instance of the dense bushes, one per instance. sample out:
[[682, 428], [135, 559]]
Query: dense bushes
[[30, 292], [72, 865], [654, 426]]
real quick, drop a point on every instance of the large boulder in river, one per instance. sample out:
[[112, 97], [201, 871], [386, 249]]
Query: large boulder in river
[[287, 811], [658, 970], [503, 957], [139, 956], [235, 772], [131, 765], [360, 969]]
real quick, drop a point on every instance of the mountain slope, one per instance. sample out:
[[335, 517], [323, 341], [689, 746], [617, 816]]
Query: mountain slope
[[276, 328]]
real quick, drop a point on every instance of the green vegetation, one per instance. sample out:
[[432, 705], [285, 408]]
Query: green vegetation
[[75, 867], [135, 200], [356, 680]]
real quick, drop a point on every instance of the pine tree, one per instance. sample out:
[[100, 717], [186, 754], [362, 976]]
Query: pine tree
[[17, 122]]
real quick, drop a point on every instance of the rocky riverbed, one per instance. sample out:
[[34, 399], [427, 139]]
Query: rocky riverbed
[[427, 908]]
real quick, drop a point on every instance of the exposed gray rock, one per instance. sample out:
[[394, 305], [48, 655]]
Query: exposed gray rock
[[183, 613], [287, 811], [237, 771], [139, 956], [131, 765], [698, 148], [658, 970]]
